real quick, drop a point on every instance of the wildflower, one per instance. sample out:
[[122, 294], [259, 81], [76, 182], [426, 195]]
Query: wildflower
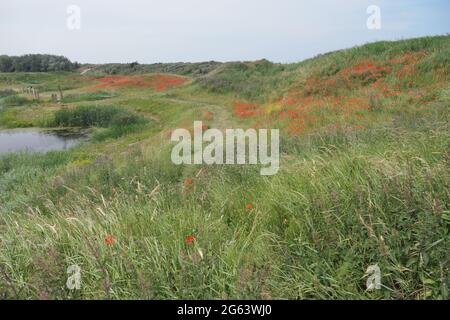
[[109, 239], [249, 206], [189, 240], [188, 182], [208, 115], [242, 109]]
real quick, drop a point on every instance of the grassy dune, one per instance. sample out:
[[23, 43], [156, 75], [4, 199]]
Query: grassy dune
[[364, 180]]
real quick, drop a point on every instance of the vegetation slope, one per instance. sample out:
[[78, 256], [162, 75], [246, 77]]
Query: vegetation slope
[[364, 180]]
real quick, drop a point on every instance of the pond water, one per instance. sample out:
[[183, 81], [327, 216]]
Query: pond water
[[36, 141]]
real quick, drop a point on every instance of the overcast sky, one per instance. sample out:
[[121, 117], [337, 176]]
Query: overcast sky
[[198, 30]]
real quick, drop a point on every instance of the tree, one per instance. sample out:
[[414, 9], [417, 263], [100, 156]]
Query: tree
[[36, 63]]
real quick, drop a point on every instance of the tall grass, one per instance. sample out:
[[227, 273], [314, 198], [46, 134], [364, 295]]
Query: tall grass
[[313, 230], [98, 116], [342, 201], [248, 80]]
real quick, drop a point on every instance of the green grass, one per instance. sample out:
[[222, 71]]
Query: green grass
[[344, 199], [9, 118], [92, 96], [14, 100], [249, 80]]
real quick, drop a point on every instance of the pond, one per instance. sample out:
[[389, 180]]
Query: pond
[[37, 141]]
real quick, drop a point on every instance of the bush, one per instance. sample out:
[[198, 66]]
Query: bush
[[36, 63], [14, 100], [95, 116], [6, 93]]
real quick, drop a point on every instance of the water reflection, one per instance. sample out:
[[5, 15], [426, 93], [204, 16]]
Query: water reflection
[[36, 141]]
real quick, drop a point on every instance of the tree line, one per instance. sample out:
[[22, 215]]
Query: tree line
[[36, 63]]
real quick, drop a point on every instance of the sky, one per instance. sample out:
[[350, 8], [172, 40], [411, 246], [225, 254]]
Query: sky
[[150, 31]]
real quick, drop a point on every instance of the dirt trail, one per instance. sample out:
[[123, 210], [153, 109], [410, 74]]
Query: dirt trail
[[222, 114]]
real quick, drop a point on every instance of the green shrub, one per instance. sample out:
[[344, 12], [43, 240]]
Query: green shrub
[[36, 63], [95, 116], [14, 100], [7, 92]]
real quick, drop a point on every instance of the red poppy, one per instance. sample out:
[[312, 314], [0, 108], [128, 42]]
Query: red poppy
[[208, 115], [189, 240], [109, 239], [249, 206], [188, 182]]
